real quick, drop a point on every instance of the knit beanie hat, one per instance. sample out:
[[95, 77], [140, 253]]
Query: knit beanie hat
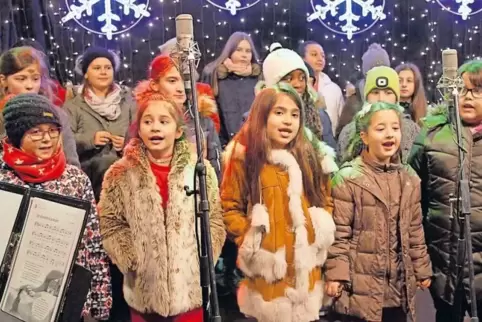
[[382, 77], [373, 57], [280, 62], [92, 53], [25, 111]]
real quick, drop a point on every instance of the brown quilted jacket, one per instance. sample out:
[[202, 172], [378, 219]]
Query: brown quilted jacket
[[361, 255]]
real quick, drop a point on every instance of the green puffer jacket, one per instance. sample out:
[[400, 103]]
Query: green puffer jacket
[[434, 157]]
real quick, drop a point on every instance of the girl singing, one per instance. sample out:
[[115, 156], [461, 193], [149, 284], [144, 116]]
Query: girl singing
[[277, 208], [379, 256], [148, 221]]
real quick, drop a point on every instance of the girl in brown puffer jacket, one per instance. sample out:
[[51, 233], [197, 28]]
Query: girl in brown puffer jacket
[[379, 256]]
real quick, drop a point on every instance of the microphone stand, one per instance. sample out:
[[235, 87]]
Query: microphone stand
[[464, 244], [206, 262]]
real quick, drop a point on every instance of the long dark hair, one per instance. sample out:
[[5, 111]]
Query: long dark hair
[[228, 50], [418, 108], [254, 137]]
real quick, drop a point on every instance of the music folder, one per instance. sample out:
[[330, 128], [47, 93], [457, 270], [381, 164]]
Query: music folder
[[40, 236]]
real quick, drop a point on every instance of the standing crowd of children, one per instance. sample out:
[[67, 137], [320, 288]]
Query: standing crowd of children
[[308, 220]]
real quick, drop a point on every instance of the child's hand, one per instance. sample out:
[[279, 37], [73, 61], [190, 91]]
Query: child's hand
[[333, 289], [425, 283]]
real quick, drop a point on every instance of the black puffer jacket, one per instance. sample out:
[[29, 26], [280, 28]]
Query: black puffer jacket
[[435, 158]]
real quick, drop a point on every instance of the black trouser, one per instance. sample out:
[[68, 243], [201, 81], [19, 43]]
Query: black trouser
[[447, 312], [395, 314], [120, 310]]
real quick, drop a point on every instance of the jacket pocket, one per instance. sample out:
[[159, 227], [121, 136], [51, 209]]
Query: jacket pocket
[[253, 260]]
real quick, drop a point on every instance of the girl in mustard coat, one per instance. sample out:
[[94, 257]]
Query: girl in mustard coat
[[277, 208]]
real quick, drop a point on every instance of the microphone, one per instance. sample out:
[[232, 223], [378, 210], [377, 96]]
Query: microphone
[[186, 47], [184, 32], [449, 80]]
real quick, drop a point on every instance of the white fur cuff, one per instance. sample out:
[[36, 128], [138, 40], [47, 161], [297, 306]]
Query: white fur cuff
[[260, 217], [324, 227]]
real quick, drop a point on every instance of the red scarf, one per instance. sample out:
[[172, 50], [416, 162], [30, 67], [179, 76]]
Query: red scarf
[[31, 169]]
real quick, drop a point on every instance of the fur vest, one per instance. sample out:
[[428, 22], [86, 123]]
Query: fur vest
[[156, 250], [283, 240]]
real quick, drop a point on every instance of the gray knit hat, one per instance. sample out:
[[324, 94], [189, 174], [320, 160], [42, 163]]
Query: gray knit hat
[[373, 57], [25, 111]]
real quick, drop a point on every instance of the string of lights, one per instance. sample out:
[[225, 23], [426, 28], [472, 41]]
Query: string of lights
[[410, 30]]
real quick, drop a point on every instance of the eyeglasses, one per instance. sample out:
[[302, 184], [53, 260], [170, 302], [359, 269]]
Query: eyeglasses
[[476, 92], [37, 135]]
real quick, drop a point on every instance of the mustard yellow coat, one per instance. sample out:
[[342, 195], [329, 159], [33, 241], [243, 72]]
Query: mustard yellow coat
[[282, 241]]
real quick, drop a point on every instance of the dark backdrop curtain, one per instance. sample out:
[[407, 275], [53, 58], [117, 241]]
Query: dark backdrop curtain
[[413, 30]]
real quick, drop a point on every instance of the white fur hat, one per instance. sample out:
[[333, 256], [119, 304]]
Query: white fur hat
[[167, 47], [280, 62]]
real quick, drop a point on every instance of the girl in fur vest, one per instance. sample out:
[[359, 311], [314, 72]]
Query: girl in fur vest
[[148, 221], [277, 207], [379, 257]]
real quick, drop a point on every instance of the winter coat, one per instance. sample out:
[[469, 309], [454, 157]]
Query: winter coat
[[410, 130], [362, 248], [234, 96], [282, 240], [68, 140], [85, 122], [156, 249], [74, 183], [435, 158], [333, 96]]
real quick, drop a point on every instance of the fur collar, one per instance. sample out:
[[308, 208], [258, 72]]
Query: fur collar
[[236, 151], [222, 71], [135, 156], [207, 104]]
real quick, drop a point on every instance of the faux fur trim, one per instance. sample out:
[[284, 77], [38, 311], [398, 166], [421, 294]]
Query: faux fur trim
[[293, 307], [326, 152], [207, 104], [166, 280], [260, 217], [324, 228], [295, 190], [255, 261]]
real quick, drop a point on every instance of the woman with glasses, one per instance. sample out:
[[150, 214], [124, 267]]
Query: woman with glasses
[[435, 157], [33, 157]]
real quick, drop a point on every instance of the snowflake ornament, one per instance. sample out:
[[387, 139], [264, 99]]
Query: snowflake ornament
[[109, 17], [347, 21], [233, 6], [464, 8]]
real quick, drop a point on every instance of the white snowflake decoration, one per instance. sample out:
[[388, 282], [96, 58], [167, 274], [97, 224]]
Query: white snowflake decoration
[[348, 19], [108, 16], [465, 8], [233, 6]]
